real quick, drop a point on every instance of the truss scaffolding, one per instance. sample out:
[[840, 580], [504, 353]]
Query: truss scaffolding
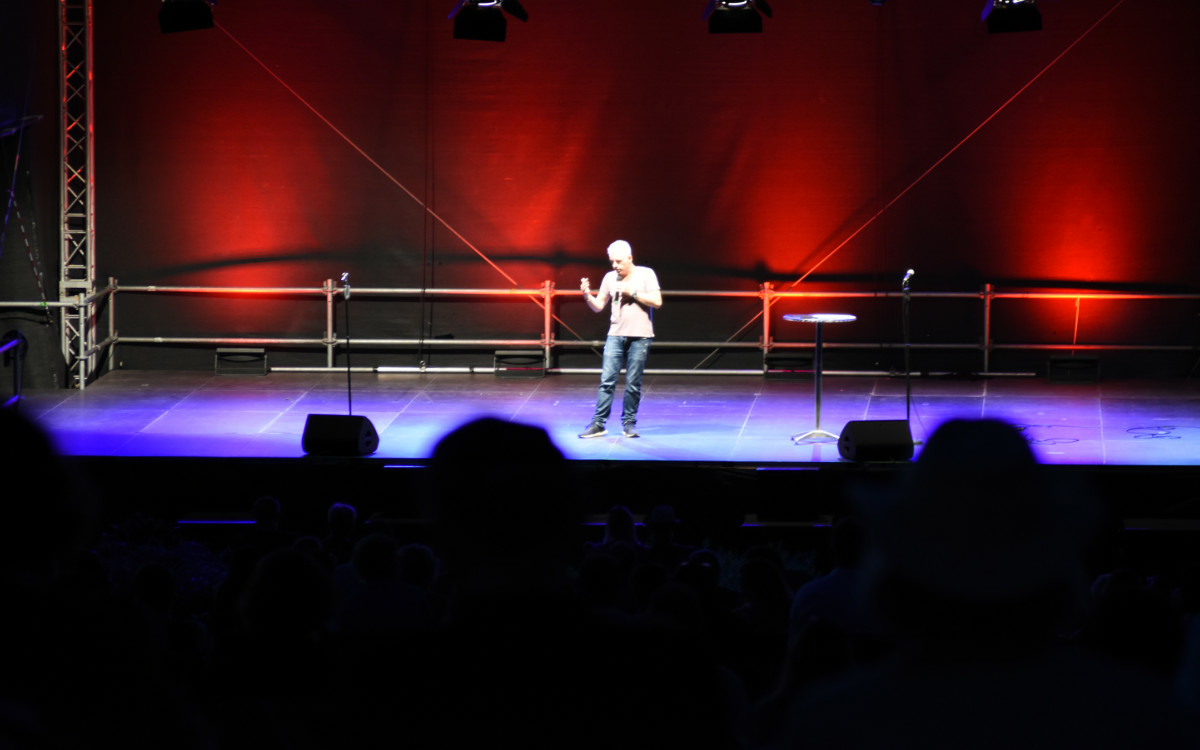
[[77, 230]]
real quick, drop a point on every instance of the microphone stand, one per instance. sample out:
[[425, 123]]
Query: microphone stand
[[907, 349], [346, 300], [337, 434]]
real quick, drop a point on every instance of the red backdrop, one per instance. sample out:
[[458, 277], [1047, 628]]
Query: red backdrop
[[844, 144]]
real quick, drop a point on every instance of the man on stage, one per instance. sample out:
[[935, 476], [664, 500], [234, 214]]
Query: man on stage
[[634, 294]]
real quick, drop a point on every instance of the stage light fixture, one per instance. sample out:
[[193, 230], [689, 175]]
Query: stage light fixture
[[184, 15], [736, 16], [1003, 16], [483, 20]]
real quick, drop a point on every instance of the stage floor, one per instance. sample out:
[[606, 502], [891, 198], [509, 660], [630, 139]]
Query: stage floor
[[707, 419]]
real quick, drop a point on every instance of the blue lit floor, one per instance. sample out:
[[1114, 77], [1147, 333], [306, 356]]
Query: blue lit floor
[[743, 419]]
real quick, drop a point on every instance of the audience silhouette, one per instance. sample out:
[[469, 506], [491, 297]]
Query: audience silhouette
[[960, 610], [973, 562]]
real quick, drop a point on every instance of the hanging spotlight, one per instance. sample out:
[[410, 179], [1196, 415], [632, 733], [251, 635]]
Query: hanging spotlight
[[1003, 16], [736, 16], [484, 20], [184, 15]]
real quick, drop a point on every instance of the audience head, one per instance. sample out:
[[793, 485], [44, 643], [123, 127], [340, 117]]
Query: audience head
[[289, 594], [375, 558], [701, 570], [418, 565], [977, 529], [502, 490], [341, 519], [619, 526]]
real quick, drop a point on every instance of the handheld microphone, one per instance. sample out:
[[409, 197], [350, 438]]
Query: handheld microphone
[[908, 276], [346, 284]]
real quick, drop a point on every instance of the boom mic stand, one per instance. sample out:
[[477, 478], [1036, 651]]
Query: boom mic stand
[[335, 434], [907, 347], [346, 304], [884, 439]]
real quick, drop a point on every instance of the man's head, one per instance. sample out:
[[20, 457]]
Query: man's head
[[620, 254]]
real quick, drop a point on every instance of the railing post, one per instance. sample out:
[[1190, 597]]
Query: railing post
[[84, 316], [330, 337], [987, 327], [766, 291], [547, 321], [112, 322]]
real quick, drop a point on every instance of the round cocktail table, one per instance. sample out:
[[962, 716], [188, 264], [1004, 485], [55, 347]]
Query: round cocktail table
[[820, 319]]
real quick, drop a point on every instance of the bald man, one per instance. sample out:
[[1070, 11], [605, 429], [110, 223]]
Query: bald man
[[634, 295]]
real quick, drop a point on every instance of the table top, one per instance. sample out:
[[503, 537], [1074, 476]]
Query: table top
[[820, 318]]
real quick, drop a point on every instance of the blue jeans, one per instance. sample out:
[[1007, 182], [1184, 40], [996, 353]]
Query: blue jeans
[[630, 353]]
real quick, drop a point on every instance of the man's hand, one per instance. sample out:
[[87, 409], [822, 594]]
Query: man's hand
[[585, 286]]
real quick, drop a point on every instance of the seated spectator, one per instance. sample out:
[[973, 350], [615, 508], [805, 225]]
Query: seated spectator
[[660, 527], [341, 532], [835, 598], [1129, 621], [620, 536], [383, 603], [972, 560], [507, 544], [518, 651]]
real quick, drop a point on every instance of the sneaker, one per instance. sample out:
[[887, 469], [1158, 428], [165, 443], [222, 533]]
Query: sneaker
[[595, 429], [629, 431]]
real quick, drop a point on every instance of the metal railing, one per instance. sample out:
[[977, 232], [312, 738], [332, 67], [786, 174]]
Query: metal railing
[[548, 342]]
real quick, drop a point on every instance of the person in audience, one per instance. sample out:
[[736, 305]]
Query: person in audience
[[765, 601], [620, 534], [972, 561], [1129, 621], [517, 644], [419, 566], [661, 546], [341, 533], [835, 598], [272, 673], [383, 603]]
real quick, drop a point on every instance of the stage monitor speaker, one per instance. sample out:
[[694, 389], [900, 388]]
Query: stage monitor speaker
[[876, 440], [240, 362], [787, 366], [339, 435], [520, 363], [1082, 369]]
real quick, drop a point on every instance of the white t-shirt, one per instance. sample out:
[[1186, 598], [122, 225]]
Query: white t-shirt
[[630, 318]]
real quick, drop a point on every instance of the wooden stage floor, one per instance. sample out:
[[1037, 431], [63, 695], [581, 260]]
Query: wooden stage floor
[[188, 442], [707, 419]]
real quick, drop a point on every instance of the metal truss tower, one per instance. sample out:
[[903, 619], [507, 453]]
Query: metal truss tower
[[77, 256]]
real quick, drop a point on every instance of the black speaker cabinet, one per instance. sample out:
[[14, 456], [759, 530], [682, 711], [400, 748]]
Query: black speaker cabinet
[[1082, 369], [529, 363], [339, 435], [876, 440]]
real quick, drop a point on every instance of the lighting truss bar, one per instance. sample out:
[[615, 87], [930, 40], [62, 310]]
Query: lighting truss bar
[[77, 216]]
